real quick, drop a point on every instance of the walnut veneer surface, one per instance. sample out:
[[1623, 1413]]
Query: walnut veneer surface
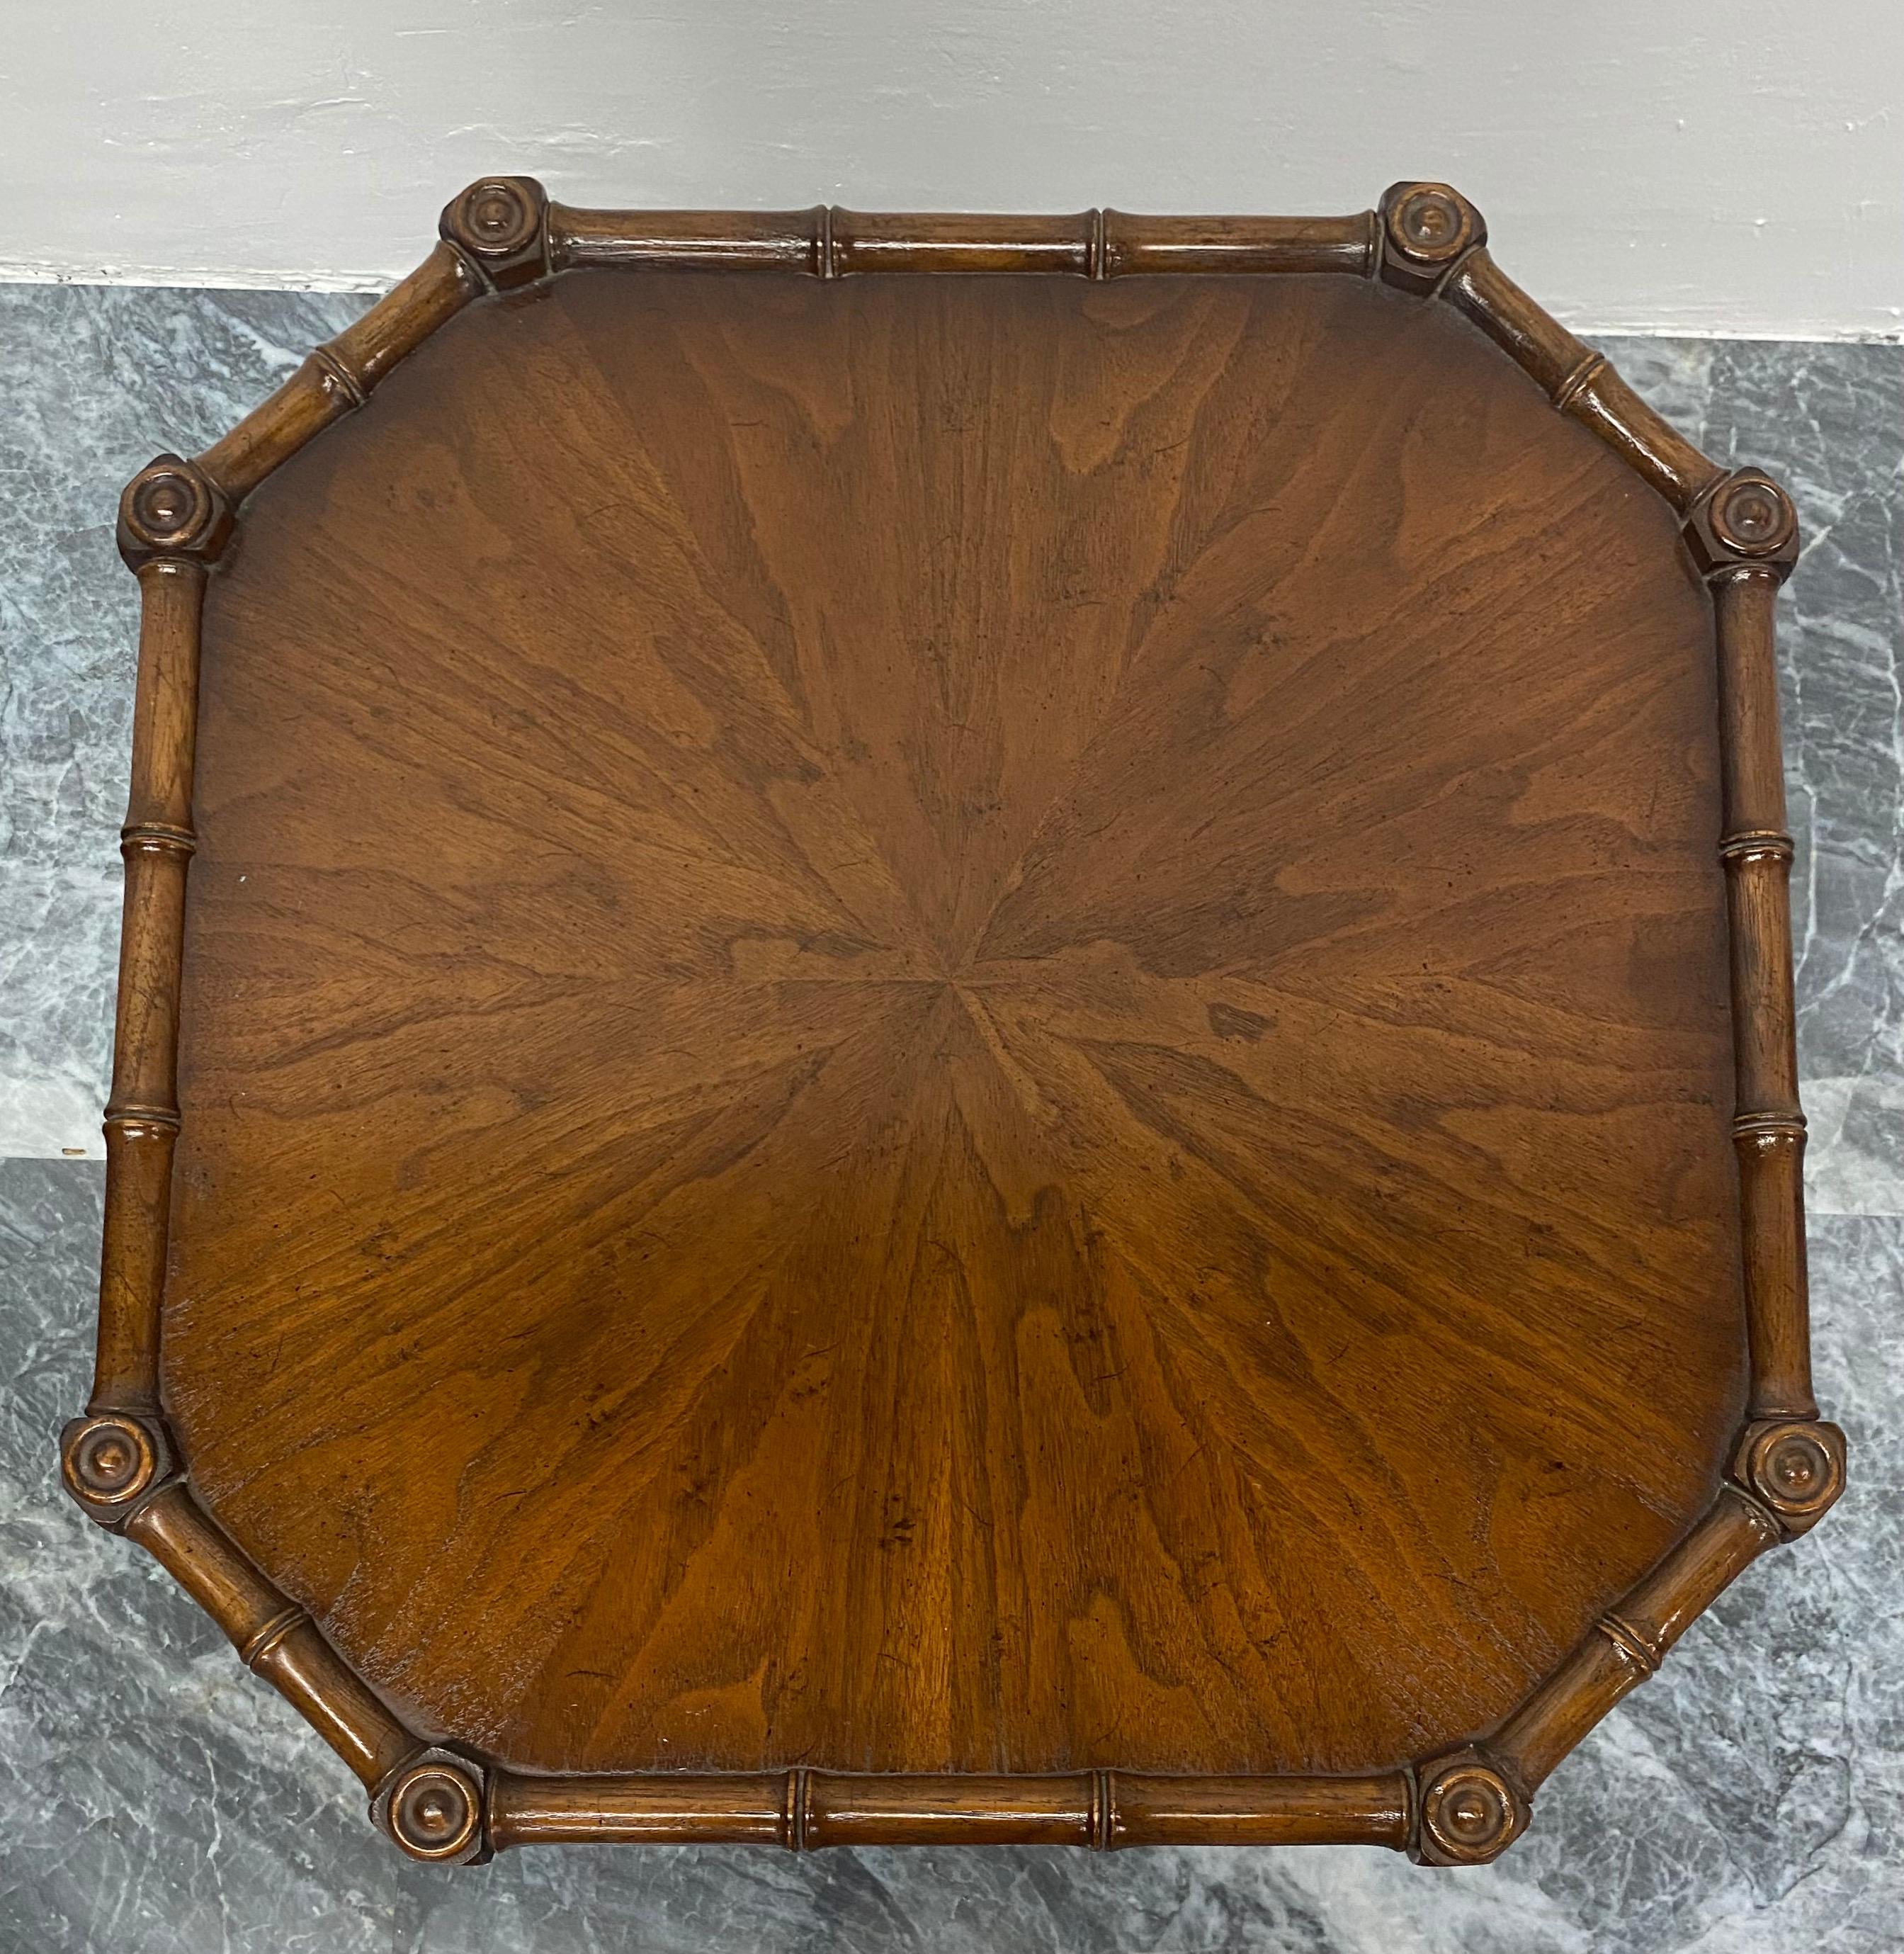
[[956, 1026], [967, 1025]]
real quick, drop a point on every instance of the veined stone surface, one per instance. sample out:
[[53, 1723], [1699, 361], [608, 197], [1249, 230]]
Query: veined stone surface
[[154, 1798]]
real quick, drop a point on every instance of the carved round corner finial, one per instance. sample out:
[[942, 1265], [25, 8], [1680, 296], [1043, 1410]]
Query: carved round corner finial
[[1430, 224], [433, 1809], [109, 1461], [1427, 229], [1747, 524], [1796, 1468], [433, 1814], [1470, 1814], [170, 509], [164, 504], [497, 225], [495, 218], [1753, 515]]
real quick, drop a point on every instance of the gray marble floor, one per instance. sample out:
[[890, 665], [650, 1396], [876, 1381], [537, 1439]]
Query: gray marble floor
[[152, 1797]]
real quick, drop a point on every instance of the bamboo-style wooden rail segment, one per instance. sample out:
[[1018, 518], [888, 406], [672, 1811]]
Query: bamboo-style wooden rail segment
[[272, 1636], [1580, 382], [1463, 1806], [804, 1810], [1628, 1644], [142, 1115], [827, 242], [341, 375]]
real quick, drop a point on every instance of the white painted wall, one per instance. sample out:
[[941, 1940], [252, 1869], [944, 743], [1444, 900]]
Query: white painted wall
[[1665, 165]]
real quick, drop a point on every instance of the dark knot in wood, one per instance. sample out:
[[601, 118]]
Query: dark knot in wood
[[1470, 1813], [1796, 1468], [498, 224], [110, 1462], [171, 508], [432, 1807]]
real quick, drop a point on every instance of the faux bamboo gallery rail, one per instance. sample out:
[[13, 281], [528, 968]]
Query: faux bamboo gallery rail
[[440, 1801]]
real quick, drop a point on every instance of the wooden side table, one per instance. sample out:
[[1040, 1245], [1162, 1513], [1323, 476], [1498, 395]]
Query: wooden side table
[[1004, 1056]]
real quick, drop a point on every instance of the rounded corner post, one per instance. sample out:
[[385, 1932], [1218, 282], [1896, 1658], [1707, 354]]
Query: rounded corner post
[[433, 1805], [172, 511], [1468, 1809], [1793, 1468], [500, 225], [110, 1462], [1428, 229]]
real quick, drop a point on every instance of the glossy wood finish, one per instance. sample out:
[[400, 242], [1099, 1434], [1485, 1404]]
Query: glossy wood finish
[[973, 1030], [804, 1810], [142, 1116], [907, 1006], [831, 242]]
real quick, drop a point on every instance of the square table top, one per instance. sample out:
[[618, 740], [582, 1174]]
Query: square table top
[[990, 1056]]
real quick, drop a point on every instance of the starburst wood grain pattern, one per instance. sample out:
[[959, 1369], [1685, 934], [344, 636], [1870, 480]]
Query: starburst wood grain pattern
[[973, 1029], [956, 1025]]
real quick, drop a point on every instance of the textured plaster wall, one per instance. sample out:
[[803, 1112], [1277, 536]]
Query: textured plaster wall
[[1652, 165]]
